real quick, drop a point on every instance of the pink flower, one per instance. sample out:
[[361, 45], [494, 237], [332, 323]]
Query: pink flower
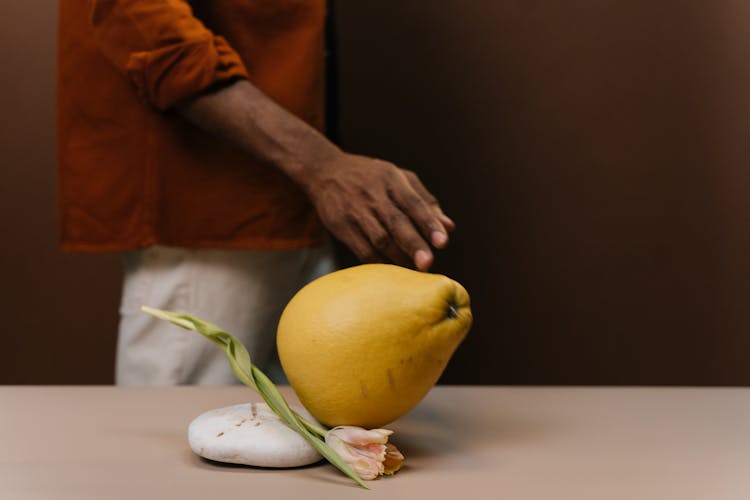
[[368, 452]]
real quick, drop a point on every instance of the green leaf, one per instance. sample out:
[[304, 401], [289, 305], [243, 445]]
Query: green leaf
[[239, 358], [251, 376]]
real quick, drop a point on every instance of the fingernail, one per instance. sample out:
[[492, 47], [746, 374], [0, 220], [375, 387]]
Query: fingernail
[[439, 239], [422, 259]]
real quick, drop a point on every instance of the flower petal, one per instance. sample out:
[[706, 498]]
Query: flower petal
[[366, 451], [359, 436], [394, 459], [368, 469]]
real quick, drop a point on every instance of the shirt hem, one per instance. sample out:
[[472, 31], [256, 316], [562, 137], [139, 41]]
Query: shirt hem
[[89, 247]]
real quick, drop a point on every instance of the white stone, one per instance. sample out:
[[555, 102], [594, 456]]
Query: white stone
[[250, 434]]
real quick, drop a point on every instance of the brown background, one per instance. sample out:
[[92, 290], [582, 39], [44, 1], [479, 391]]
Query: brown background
[[592, 152]]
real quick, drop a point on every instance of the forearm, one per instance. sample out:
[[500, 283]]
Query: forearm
[[242, 115]]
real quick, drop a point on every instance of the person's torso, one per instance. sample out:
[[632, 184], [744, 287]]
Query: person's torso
[[131, 175]]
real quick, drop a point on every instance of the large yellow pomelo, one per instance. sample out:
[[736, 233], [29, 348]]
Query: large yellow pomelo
[[362, 346]]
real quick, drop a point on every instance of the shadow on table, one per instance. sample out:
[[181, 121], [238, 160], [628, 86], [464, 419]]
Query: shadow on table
[[451, 425], [319, 471]]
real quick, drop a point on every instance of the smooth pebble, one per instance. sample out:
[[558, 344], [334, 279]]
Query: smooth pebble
[[250, 434]]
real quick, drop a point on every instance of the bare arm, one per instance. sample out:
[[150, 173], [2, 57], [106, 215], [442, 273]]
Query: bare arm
[[381, 212]]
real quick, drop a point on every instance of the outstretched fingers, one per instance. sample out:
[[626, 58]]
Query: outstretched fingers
[[416, 184]]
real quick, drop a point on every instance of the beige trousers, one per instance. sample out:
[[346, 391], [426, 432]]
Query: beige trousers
[[243, 292]]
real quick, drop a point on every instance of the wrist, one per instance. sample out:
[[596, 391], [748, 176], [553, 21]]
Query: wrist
[[309, 162]]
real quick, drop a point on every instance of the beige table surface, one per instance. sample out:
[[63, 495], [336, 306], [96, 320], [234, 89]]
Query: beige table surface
[[461, 442]]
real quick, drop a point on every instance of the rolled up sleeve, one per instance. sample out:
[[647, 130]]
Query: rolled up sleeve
[[165, 52]]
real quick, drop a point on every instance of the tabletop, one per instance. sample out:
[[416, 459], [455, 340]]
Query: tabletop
[[461, 441]]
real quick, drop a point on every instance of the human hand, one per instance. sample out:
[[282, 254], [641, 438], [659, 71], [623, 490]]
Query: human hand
[[381, 212]]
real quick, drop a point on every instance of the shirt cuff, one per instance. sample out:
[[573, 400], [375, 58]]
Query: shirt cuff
[[170, 74]]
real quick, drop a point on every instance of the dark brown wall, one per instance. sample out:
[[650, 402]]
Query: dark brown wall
[[592, 152], [58, 311], [595, 156]]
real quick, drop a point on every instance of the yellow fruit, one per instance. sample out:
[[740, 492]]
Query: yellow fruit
[[362, 346]]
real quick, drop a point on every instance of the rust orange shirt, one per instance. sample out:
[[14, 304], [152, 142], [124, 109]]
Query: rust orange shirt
[[131, 171]]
